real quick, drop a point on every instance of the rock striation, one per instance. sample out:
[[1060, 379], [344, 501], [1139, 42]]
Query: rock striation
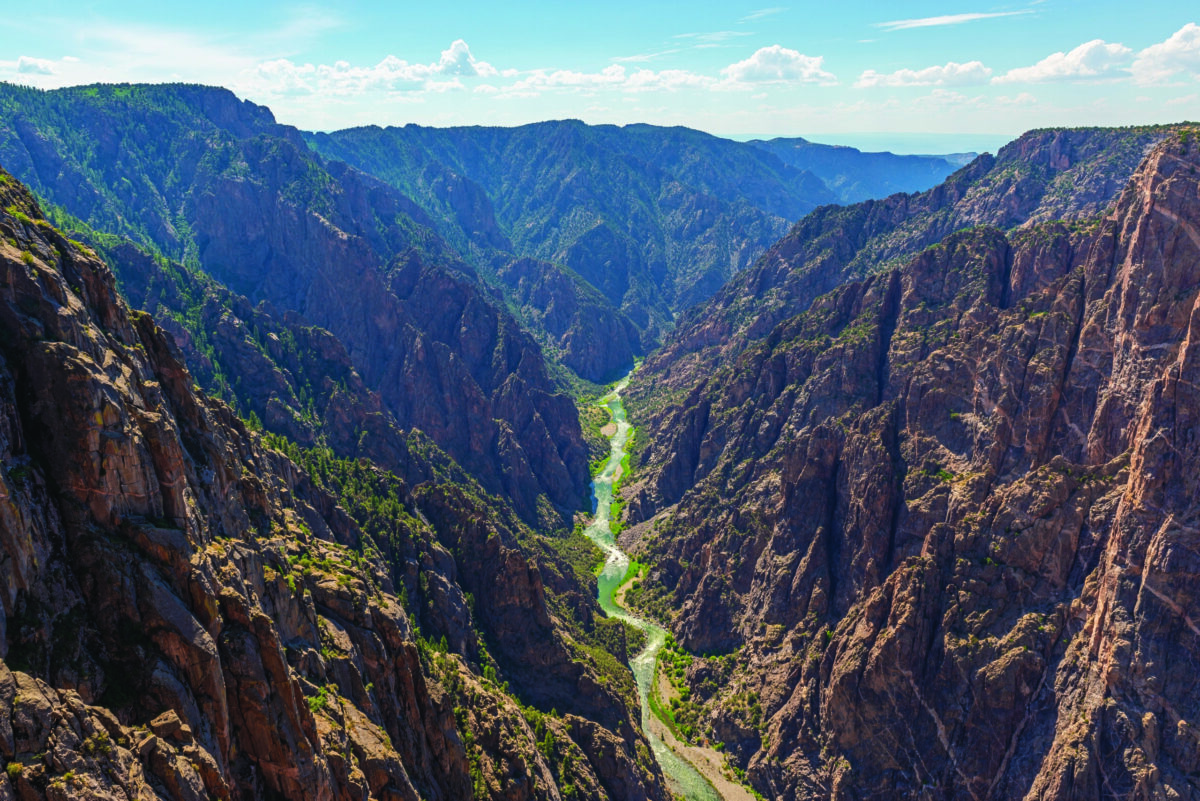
[[213, 183], [1043, 175], [188, 613], [655, 219], [935, 532]]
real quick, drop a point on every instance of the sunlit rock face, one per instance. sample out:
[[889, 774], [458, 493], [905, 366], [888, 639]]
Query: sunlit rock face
[[945, 515]]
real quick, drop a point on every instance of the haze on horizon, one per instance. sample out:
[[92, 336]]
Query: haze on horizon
[[934, 76]]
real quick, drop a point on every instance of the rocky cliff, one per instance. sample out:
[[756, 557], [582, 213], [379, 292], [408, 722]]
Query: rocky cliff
[[936, 532], [1043, 175], [187, 613], [214, 183], [654, 218]]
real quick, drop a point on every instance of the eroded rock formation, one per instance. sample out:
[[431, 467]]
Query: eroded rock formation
[[943, 521], [188, 614]]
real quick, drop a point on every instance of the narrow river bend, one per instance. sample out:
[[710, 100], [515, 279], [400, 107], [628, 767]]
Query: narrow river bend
[[682, 777]]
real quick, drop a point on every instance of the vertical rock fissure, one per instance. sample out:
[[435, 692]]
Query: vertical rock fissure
[[1068, 364], [887, 329], [831, 538]]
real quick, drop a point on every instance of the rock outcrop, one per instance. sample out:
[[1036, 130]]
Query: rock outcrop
[[1043, 175], [186, 613], [214, 183], [655, 219], [937, 532]]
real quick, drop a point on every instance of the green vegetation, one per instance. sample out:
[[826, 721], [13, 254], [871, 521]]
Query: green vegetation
[[650, 599], [582, 191], [680, 713], [97, 744], [592, 420]]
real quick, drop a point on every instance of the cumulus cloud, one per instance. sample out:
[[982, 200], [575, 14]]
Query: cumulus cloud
[[614, 76], [1177, 57], [390, 74], [670, 80], [457, 60], [458, 69], [611, 75], [1091, 60], [952, 74], [776, 63], [27, 65]]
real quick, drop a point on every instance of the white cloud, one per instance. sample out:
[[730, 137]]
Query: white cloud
[[952, 74], [1022, 99], [614, 76], [1186, 100], [1091, 60], [943, 98], [762, 12], [391, 74], [776, 63], [669, 80], [27, 65], [457, 60], [712, 37], [948, 19], [643, 57], [1164, 61]]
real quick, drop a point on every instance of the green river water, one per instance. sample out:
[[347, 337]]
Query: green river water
[[682, 777]]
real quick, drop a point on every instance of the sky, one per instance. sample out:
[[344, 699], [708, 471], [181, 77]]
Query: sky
[[910, 77]]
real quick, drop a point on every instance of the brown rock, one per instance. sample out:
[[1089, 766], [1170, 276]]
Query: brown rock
[[942, 512]]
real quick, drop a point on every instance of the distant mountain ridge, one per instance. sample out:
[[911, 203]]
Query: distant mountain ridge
[[854, 175], [655, 218], [629, 225]]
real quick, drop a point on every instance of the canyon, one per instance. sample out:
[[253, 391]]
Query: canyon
[[310, 443]]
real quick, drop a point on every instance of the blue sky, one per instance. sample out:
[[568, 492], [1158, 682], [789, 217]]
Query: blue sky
[[909, 75]]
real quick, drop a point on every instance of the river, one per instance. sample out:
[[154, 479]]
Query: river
[[681, 776]]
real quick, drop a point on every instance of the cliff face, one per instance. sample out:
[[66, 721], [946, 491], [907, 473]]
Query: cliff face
[[946, 517], [589, 335], [215, 183], [187, 614], [655, 219], [1042, 175]]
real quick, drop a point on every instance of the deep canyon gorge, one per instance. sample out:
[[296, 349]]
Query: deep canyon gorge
[[328, 472]]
